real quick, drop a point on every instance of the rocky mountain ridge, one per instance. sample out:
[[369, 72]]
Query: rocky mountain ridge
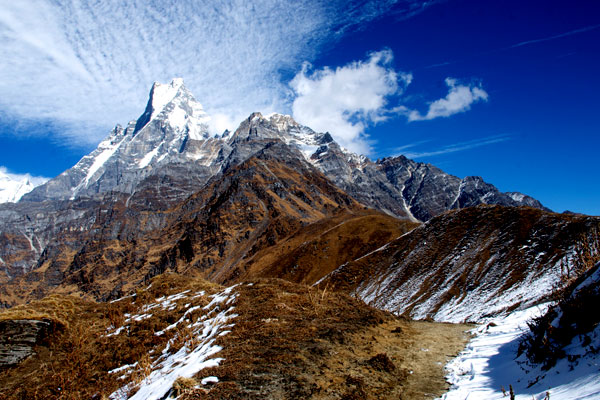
[[168, 155], [468, 264], [171, 139]]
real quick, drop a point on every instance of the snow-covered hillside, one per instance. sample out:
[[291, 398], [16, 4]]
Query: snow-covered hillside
[[499, 358]]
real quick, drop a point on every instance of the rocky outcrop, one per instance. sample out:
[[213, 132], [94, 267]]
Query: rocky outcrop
[[18, 339], [403, 187]]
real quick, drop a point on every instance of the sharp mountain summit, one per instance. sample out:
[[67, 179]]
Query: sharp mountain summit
[[270, 262]]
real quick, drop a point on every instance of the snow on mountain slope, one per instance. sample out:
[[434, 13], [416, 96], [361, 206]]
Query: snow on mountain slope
[[491, 366], [172, 130], [472, 263], [13, 187], [170, 141]]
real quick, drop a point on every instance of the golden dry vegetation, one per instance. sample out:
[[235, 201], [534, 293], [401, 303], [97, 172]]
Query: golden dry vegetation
[[289, 341], [315, 250]]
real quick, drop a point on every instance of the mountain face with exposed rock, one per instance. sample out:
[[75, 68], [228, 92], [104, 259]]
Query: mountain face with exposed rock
[[128, 249], [167, 155], [171, 139]]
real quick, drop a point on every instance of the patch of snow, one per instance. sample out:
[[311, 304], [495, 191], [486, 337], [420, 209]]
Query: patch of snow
[[162, 94], [209, 379], [186, 362], [14, 186], [518, 197], [117, 331], [206, 153], [139, 317], [123, 298], [162, 157], [199, 294], [178, 118], [123, 368], [308, 150], [183, 317], [144, 162], [108, 148]]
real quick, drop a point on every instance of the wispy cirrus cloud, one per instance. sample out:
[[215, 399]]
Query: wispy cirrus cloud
[[401, 149], [516, 45], [88, 65], [558, 36], [452, 148]]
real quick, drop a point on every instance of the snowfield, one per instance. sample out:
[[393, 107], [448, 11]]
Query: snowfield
[[488, 366]]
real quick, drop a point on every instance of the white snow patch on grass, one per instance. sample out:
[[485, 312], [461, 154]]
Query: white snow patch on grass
[[209, 379], [186, 362], [123, 368]]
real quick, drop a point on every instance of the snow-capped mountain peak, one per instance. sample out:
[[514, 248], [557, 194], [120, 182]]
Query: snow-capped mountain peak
[[161, 94], [174, 105], [13, 187], [170, 143], [282, 121], [282, 127], [172, 130]]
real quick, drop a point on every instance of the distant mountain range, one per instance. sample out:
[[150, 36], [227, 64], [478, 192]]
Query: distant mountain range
[[276, 200], [171, 140], [167, 155], [13, 187]]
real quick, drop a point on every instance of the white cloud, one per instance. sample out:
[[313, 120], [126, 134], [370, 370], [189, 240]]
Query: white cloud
[[90, 64], [346, 100], [452, 148], [458, 99]]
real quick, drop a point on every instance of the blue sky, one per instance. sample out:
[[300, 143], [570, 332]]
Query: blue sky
[[506, 90]]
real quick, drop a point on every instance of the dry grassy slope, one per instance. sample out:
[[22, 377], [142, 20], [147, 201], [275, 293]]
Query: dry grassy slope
[[317, 249], [289, 341], [467, 263], [253, 206], [296, 342], [74, 362]]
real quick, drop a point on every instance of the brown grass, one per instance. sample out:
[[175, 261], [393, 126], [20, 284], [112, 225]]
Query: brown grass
[[522, 242], [74, 363], [317, 249], [296, 342], [289, 341]]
